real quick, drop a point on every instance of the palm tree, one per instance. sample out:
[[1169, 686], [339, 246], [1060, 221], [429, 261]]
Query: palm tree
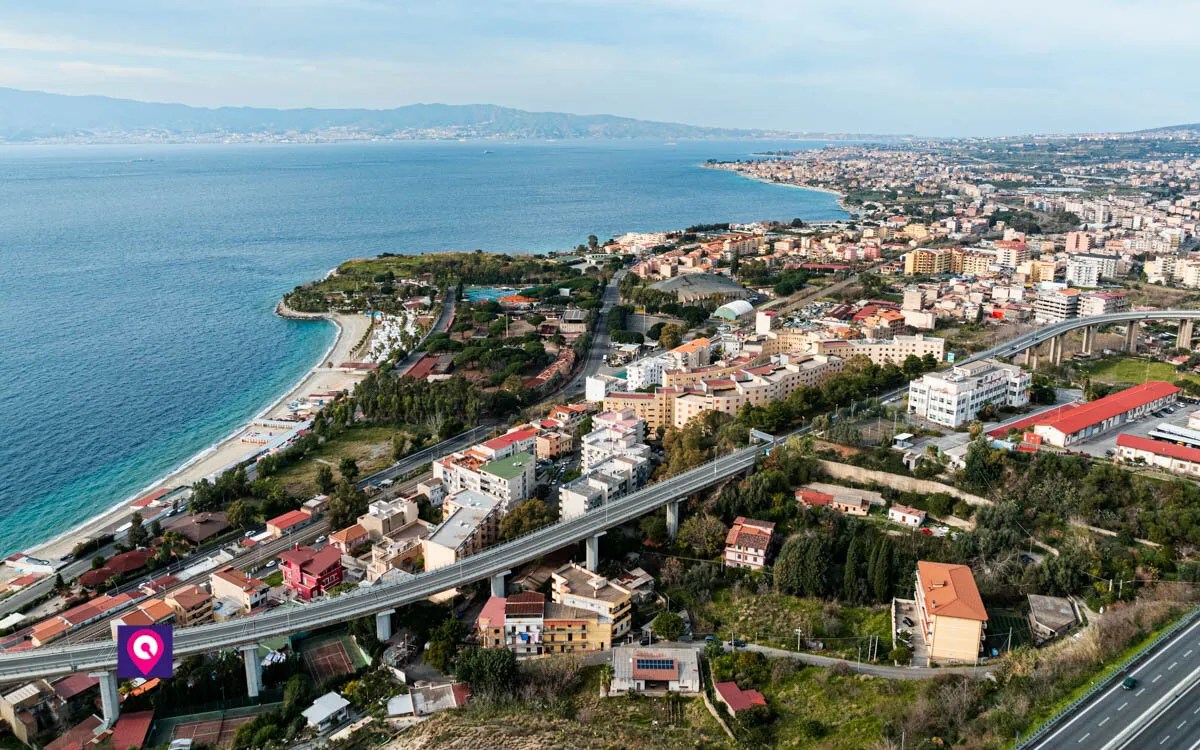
[[606, 678]]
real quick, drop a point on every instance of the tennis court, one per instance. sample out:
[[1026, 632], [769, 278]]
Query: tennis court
[[333, 657], [214, 729]]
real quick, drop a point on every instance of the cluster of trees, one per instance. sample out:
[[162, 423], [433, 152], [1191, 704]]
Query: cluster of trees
[[807, 565], [443, 406]]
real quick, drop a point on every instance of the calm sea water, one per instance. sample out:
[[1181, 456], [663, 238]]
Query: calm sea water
[[137, 283]]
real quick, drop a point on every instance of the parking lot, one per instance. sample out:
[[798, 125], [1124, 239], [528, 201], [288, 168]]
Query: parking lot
[[1105, 446], [902, 608]]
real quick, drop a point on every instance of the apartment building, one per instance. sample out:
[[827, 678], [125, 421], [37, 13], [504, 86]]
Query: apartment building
[[882, 351], [385, 517], [1102, 303], [952, 615], [615, 434], [754, 386], [509, 479], [191, 605], [1087, 270], [1011, 253], [471, 521], [576, 586], [612, 478], [952, 399], [527, 624], [656, 409], [748, 543], [1057, 305], [927, 262]]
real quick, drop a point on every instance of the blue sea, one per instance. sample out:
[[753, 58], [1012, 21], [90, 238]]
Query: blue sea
[[137, 283]]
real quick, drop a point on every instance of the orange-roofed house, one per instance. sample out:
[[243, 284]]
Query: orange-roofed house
[[348, 538], [517, 301], [952, 613], [192, 605], [748, 543]]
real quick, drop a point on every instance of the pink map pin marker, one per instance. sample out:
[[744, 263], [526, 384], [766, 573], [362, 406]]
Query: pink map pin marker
[[145, 648]]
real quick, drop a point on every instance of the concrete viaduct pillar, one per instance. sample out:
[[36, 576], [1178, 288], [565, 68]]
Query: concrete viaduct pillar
[[383, 625], [253, 669], [673, 518], [593, 552], [1184, 339], [1056, 349], [110, 700], [1131, 337], [1089, 340], [498, 587]]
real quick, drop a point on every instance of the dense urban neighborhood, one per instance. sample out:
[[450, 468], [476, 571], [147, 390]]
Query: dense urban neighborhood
[[922, 477]]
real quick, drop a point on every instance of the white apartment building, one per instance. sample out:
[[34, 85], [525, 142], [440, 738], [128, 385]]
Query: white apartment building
[[1055, 306], [648, 371], [618, 434], [510, 480], [952, 399], [1087, 270], [610, 479]]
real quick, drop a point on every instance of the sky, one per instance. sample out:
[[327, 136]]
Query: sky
[[924, 67]]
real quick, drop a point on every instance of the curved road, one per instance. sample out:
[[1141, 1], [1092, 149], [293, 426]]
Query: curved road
[[1041, 335], [48, 662]]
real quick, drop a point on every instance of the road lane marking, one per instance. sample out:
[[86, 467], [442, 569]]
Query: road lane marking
[[1084, 737], [1181, 724], [1164, 740], [1106, 718], [1197, 711], [1123, 705], [1157, 677], [1187, 653], [1139, 692], [1173, 665]]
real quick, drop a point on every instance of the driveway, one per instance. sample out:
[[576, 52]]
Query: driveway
[[902, 608]]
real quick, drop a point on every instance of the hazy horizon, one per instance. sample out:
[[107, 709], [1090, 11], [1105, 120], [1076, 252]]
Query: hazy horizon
[[931, 67]]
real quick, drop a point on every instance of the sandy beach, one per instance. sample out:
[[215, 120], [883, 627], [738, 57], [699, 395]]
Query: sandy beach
[[322, 378]]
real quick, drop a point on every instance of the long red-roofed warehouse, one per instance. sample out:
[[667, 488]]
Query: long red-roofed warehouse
[[1178, 459], [1104, 414]]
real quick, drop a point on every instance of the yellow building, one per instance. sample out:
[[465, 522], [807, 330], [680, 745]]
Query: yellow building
[[951, 612], [927, 262]]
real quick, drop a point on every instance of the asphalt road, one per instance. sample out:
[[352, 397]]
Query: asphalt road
[[600, 341], [1154, 711]]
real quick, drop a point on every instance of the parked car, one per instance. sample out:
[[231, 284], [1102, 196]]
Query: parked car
[[272, 564], [738, 643], [321, 539], [908, 623]]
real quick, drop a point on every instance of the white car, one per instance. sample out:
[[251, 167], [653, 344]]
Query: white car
[[321, 539]]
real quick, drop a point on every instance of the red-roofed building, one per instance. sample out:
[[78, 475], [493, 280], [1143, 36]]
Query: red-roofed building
[[289, 522], [813, 499], [1093, 419], [736, 699], [518, 440], [310, 572], [79, 737], [118, 566], [490, 623], [1178, 459], [146, 500], [748, 543], [951, 611]]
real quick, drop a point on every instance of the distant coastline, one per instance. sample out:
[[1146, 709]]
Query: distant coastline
[[815, 188]]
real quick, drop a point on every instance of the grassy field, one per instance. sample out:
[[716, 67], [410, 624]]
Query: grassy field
[[275, 579], [821, 710], [1126, 370], [771, 620], [371, 447], [595, 722]]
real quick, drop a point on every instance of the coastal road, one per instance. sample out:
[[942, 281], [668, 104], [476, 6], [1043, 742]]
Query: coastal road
[[600, 342], [1163, 710]]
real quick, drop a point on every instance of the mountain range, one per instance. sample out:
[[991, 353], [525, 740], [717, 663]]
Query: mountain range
[[35, 116]]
